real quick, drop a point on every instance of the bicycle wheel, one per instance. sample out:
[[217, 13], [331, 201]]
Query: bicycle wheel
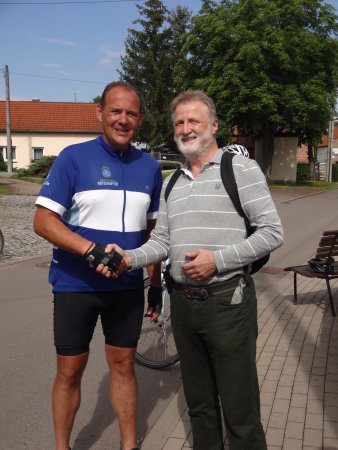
[[156, 347], [1, 242]]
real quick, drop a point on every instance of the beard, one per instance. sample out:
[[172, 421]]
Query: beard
[[198, 146]]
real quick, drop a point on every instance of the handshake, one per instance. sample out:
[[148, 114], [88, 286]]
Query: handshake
[[108, 260]]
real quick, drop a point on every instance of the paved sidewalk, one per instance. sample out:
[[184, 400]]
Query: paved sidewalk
[[297, 360], [297, 349]]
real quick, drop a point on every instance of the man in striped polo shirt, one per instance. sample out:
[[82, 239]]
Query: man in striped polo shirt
[[213, 301]]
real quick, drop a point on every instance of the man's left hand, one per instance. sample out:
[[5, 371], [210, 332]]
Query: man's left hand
[[201, 266], [154, 303]]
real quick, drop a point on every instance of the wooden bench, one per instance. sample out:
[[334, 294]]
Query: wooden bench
[[328, 247]]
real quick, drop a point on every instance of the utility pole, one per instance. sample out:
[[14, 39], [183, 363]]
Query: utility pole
[[8, 125], [329, 150]]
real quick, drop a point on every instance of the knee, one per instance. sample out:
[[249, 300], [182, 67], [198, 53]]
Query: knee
[[123, 368], [69, 378]]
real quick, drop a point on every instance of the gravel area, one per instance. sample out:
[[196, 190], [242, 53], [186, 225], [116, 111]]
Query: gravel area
[[16, 223]]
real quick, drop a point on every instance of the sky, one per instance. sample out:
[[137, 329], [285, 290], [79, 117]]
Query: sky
[[66, 50]]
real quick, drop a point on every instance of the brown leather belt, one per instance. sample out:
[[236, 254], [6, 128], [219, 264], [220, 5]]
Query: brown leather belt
[[203, 292]]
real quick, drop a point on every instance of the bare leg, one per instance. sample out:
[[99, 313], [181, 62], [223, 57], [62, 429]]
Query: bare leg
[[67, 396], [123, 392]]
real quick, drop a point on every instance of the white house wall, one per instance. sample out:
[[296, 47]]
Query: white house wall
[[51, 144], [284, 163]]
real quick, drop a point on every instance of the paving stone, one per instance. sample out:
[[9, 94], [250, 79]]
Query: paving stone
[[277, 420], [330, 429], [296, 414], [312, 437], [174, 444], [274, 436], [314, 421], [294, 430], [292, 444]]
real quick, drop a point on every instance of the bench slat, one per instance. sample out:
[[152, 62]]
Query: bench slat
[[328, 240], [325, 253], [325, 233]]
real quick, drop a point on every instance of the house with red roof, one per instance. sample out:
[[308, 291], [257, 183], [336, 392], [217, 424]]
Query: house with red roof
[[45, 128], [302, 153]]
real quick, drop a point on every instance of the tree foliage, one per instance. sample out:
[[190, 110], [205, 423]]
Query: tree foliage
[[270, 66], [152, 50]]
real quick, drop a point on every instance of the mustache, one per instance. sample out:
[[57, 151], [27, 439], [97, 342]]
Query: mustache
[[188, 136]]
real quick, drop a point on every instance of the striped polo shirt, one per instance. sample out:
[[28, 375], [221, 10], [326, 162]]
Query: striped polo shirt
[[199, 214]]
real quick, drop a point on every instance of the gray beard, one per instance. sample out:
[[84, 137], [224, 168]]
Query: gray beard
[[197, 149]]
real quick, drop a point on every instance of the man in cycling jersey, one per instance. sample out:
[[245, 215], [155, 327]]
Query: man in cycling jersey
[[213, 300], [98, 192]]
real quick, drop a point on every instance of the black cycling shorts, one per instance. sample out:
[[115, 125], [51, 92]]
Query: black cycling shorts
[[76, 313]]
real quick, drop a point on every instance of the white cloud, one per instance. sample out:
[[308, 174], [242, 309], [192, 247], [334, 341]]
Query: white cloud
[[107, 50], [108, 55], [53, 65], [60, 42], [105, 62], [64, 73]]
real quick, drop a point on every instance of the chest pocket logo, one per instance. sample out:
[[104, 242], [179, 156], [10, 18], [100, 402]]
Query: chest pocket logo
[[106, 172]]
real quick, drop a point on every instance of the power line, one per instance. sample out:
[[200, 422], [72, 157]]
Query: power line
[[56, 78], [70, 2]]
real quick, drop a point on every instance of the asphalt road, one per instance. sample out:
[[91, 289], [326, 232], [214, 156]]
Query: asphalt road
[[28, 357]]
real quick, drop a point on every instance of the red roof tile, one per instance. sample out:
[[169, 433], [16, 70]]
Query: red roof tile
[[50, 116]]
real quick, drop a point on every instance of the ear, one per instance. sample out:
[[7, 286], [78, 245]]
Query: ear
[[214, 126], [99, 112], [140, 120]]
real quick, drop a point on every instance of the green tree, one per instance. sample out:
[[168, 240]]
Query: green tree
[[97, 99], [152, 50], [270, 66]]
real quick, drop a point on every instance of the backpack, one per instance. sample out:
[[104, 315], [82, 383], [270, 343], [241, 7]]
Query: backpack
[[229, 182]]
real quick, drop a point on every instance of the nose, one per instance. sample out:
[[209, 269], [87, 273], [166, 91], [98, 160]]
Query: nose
[[186, 128], [123, 117]]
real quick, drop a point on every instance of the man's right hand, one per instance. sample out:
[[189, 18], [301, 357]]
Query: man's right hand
[[105, 270], [98, 255]]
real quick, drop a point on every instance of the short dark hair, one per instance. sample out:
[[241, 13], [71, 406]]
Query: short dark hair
[[199, 95], [122, 84]]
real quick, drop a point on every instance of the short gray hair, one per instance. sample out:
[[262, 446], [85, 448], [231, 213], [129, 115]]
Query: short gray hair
[[191, 94]]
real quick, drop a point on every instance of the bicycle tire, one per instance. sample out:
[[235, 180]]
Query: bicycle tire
[[156, 348], [1, 242]]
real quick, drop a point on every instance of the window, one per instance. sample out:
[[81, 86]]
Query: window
[[37, 153], [4, 153]]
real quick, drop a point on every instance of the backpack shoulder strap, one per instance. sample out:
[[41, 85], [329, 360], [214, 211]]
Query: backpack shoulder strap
[[175, 176], [229, 181]]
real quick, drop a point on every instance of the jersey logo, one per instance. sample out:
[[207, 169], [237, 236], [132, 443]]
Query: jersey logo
[[107, 179], [106, 172]]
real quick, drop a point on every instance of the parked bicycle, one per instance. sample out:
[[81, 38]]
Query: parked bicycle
[[156, 348]]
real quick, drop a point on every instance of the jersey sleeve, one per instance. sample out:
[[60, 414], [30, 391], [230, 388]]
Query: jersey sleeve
[[155, 197], [58, 189]]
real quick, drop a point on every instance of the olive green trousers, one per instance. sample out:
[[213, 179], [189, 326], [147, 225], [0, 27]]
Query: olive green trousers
[[216, 342]]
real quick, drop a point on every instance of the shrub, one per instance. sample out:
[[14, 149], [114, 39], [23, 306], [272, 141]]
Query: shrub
[[3, 165], [303, 172], [334, 172], [39, 168]]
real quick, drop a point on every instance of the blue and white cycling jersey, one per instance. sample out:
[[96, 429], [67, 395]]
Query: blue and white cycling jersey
[[106, 197]]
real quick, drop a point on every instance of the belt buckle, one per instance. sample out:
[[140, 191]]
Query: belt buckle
[[204, 293], [195, 293]]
